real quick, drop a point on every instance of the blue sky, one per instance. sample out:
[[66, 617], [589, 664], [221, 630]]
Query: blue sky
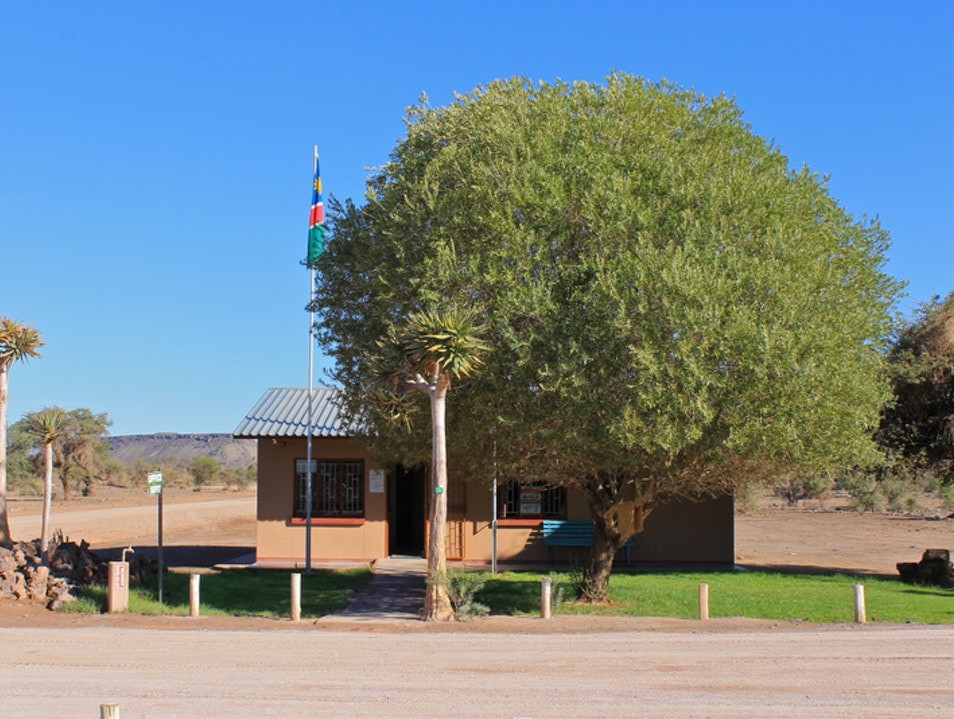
[[155, 159]]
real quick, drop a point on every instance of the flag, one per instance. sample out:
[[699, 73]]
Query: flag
[[316, 223]]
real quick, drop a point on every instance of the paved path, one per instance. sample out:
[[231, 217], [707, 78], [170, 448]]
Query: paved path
[[395, 593]]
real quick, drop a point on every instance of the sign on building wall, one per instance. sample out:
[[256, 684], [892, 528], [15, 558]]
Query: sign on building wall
[[376, 481], [530, 501]]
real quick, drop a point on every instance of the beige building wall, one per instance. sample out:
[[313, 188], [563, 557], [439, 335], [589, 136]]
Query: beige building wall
[[280, 538], [678, 532]]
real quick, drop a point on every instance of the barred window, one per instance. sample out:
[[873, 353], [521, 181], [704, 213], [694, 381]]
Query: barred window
[[531, 501], [337, 488]]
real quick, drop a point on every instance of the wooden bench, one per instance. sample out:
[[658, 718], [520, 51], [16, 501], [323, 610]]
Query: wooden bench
[[566, 533]]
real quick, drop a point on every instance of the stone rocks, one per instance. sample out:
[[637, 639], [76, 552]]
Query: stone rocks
[[934, 568], [25, 575]]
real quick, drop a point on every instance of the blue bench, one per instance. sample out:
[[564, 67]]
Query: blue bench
[[566, 533]]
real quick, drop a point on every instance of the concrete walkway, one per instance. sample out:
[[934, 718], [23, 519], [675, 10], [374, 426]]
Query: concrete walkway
[[395, 593]]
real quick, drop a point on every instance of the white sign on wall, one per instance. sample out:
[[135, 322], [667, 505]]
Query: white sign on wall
[[376, 481]]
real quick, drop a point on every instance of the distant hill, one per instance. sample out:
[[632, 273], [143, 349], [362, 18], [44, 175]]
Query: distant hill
[[231, 452]]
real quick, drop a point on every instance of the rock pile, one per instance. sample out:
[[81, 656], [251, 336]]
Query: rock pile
[[934, 568], [25, 575]]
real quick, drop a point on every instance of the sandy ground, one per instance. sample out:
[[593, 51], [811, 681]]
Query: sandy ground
[[55, 665], [870, 672]]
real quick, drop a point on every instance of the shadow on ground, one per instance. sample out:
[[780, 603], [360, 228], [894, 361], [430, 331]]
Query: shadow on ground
[[187, 555]]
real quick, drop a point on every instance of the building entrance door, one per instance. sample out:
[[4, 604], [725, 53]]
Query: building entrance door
[[406, 498]]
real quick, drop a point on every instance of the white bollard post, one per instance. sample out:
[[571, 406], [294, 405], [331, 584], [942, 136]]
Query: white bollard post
[[109, 711], [546, 586], [860, 603], [117, 591], [296, 597], [703, 602], [193, 595]]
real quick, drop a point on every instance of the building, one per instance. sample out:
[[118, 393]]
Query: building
[[363, 511]]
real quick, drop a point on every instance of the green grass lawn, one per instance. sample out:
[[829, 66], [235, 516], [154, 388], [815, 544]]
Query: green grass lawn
[[756, 595], [239, 592]]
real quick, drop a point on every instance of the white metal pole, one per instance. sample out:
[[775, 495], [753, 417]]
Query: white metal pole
[[309, 487]]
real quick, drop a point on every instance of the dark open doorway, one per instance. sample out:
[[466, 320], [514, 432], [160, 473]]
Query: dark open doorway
[[406, 511]]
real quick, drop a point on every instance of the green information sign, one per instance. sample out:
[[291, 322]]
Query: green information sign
[[155, 482]]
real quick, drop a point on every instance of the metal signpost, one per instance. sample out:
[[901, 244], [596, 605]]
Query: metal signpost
[[155, 487]]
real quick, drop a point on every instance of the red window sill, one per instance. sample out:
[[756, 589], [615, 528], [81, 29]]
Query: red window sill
[[328, 521], [519, 522]]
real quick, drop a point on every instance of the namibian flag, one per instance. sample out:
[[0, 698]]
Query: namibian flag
[[316, 223]]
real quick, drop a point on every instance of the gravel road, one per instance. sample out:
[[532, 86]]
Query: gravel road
[[66, 666], [782, 672]]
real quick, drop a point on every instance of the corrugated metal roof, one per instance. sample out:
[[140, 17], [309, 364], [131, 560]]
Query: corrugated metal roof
[[283, 412]]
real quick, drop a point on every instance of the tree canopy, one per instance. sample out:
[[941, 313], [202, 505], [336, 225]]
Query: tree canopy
[[671, 310], [80, 451], [919, 423]]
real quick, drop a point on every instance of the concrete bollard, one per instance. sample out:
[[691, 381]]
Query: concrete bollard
[[117, 590], [546, 588], [296, 597], [860, 603], [703, 602], [193, 595]]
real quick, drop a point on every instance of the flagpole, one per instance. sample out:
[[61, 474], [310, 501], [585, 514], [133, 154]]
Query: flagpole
[[309, 486]]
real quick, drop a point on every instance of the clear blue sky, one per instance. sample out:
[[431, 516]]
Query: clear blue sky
[[155, 158]]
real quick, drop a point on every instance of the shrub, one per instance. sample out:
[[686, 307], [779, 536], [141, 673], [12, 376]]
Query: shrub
[[462, 588], [794, 488]]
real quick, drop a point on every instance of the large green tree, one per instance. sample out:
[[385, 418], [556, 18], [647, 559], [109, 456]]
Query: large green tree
[[919, 423], [18, 343], [672, 311]]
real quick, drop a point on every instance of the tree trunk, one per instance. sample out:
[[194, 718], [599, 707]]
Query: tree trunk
[[65, 481], [5, 539], [613, 526], [437, 606], [606, 542], [47, 498]]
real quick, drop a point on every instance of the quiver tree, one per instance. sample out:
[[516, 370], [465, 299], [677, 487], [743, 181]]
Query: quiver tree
[[671, 311], [47, 427], [18, 343], [427, 354]]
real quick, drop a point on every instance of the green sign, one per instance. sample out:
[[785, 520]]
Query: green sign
[[155, 482]]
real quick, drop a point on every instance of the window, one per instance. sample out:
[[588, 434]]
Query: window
[[531, 501], [337, 488]]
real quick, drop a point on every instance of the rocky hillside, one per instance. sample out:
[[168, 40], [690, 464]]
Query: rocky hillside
[[237, 453]]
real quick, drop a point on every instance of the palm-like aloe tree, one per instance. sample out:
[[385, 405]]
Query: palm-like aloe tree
[[47, 426], [432, 351], [18, 343]]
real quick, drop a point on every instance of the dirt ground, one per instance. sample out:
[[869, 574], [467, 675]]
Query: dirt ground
[[65, 665]]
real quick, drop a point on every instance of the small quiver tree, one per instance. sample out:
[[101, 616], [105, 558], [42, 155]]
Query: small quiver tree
[[434, 349], [47, 426], [18, 343]]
